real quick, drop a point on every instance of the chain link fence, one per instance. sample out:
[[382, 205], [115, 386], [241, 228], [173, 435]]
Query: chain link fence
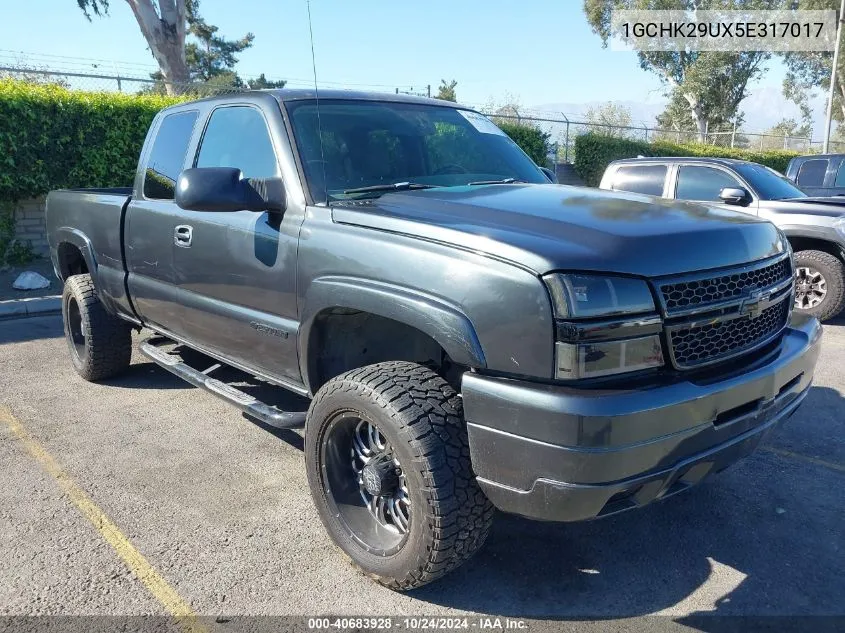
[[133, 84], [561, 128], [114, 83]]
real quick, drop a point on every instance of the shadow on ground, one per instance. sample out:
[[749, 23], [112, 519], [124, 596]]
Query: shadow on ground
[[30, 329], [763, 538], [148, 375]]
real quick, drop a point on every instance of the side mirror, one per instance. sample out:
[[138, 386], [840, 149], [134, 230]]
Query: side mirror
[[734, 195], [549, 174], [225, 189]]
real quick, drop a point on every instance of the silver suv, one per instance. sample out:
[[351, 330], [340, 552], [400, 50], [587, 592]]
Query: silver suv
[[815, 226]]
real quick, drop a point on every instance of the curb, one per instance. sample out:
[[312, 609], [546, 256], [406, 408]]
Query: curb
[[33, 306]]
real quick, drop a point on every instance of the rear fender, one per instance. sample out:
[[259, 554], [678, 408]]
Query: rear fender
[[68, 235]]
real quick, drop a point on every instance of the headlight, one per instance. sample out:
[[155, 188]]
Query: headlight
[[783, 242], [606, 325], [584, 296]]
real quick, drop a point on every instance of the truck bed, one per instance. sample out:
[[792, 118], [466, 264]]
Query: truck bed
[[92, 221]]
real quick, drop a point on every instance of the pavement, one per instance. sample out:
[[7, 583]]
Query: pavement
[[119, 497]]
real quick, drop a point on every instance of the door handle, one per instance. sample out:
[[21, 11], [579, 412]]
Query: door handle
[[183, 236]]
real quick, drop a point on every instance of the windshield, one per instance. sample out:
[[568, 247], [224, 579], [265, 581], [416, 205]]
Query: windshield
[[372, 143], [769, 184]]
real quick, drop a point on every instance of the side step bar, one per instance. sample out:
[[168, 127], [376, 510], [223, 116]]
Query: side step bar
[[269, 415]]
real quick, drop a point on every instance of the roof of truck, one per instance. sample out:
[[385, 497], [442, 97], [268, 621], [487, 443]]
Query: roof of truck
[[811, 156], [301, 94], [687, 159], [297, 94]]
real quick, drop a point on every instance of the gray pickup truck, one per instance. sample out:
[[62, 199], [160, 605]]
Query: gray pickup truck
[[469, 335], [815, 227], [818, 174]]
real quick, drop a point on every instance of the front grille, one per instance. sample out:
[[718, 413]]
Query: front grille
[[695, 346], [684, 295]]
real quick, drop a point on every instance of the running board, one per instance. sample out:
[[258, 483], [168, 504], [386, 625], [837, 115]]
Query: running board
[[268, 414]]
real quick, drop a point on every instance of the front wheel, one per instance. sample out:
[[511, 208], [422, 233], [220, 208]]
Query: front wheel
[[389, 469], [819, 284]]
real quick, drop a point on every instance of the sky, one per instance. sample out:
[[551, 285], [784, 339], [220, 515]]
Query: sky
[[539, 54]]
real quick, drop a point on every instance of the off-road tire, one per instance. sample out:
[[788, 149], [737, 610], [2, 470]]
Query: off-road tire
[[834, 273], [421, 415], [107, 348]]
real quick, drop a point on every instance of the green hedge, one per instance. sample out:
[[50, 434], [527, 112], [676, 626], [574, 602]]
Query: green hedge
[[593, 153], [532, 140], [52, 137]]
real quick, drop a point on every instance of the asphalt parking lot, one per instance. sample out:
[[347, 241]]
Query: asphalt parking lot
[[219, 508]]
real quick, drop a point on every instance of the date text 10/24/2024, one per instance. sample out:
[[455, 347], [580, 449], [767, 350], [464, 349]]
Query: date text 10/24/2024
[[416, 623]]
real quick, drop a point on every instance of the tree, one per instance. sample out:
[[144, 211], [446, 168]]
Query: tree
[[677, 116], [837, 138], [609, 119], [710, 84], [262, 83], [209, 59], [505, 109], [807, 71], [210, 55], [446, 91], [164, 26], [790, 127]]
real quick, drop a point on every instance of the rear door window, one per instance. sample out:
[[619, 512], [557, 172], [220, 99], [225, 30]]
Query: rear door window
[[168, 155], [703, 183], [811, 173], [646, 179]]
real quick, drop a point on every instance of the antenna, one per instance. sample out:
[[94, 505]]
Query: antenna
[[317, 98]]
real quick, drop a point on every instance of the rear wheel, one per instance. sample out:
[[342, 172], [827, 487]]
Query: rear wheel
[[819, 284], [100, 343], [389, 470]]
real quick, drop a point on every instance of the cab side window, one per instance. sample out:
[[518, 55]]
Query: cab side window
[[237, 136], [703, 183], [646, 179], [811, 173], [168, 155]]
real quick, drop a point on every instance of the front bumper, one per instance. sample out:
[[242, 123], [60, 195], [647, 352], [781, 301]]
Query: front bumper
[[562, 454]]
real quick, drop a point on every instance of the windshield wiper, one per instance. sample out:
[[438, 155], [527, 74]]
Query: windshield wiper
[[396, 186], [503, 181]]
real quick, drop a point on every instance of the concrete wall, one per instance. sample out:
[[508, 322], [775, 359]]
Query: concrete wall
[[30, 226]]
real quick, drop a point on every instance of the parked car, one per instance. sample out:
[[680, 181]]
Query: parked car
[[815, 226], [470, 335], [818, 174]]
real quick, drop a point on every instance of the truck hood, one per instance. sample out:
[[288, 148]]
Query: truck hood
[[822, 207], [553, 227]]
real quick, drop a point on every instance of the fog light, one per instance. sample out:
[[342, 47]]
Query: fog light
[[591, 360]]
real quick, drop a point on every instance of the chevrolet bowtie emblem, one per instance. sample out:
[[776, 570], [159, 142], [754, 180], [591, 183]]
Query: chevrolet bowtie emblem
[[754, 305]]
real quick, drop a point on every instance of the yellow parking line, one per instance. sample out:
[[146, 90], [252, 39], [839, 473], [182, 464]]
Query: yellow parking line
[[805, 458], [161, 590]]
